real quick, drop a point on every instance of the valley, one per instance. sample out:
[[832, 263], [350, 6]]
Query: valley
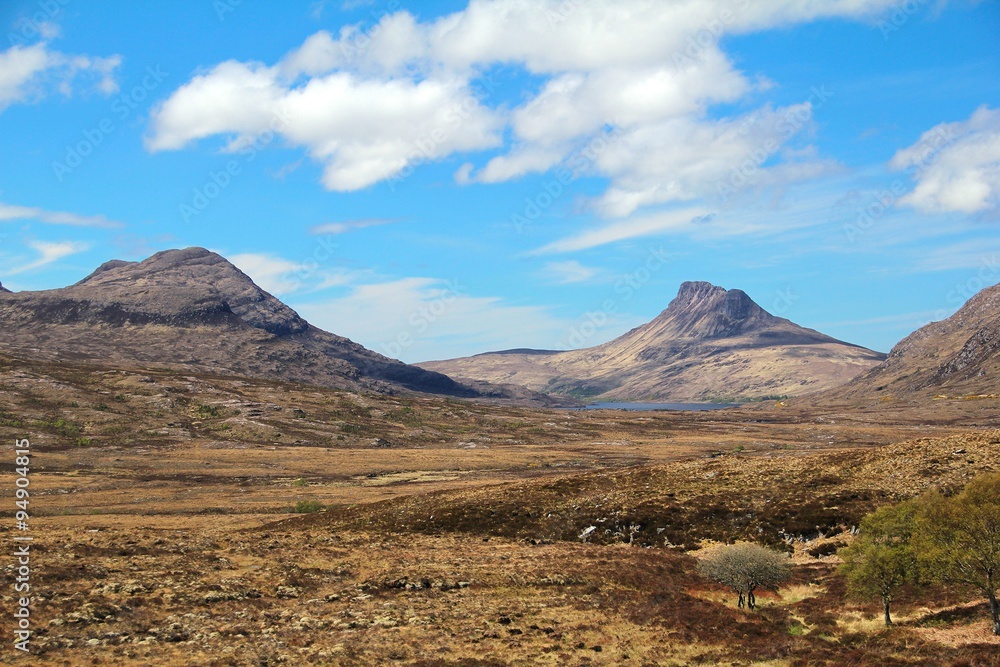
[[253, 509], [163, 517]]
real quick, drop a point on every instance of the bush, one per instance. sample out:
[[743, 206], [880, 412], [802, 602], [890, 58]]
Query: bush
[[307, 506], [208, 411], [745, 567]]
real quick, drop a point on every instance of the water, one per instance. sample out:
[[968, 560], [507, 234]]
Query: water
[[642, 407]]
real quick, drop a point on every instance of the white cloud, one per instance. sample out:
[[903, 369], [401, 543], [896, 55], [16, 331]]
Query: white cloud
[[273, 274], [28, 73], [13, 212], [350, 225], [49, 252], [686, 158], [570, 272], [372, 101], [362, 130], [417, 319], [283, 277], [957, 165], [669, 221]]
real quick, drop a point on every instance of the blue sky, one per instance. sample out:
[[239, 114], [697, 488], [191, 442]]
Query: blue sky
[[436, 179]]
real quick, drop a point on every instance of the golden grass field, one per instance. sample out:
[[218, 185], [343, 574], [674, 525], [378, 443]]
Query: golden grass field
[[161, 513]]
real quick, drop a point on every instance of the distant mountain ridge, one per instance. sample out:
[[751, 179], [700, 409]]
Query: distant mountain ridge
[[710, 344], [192, 309]]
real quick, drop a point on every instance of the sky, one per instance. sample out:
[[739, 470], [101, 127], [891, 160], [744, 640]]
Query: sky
[[438, 179]]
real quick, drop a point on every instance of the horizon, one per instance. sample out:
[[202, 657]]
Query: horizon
[[468, 186]]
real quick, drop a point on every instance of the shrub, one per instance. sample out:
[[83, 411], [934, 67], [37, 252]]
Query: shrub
[[307, 506], [745, 567]]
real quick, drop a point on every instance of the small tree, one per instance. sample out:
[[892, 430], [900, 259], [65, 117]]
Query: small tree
[[881, 559], [745, 567], [957, 539]]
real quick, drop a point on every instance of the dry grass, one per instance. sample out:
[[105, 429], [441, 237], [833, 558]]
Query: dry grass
[[164, 537]]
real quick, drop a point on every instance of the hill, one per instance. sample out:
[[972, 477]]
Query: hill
[[191, 309]]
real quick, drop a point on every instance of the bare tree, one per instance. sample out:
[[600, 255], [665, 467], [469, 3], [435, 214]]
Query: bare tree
[[746, 567]]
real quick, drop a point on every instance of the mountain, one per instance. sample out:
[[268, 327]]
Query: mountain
[[959, 356], [193, 310], [710, 344]]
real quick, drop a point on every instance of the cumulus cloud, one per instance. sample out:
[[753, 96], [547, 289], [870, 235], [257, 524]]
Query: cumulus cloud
[[29, 73], [957, 165], [362, 130], [14, 212], [371, 102]]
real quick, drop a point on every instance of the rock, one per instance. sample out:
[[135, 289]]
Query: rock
[[287, 592]]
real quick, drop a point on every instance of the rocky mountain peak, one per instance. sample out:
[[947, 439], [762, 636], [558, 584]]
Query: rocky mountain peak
[[692, 291], [184, 284], [704, 310]]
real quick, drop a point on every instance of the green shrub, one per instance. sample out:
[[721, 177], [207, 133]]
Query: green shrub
[[307, 506], [208, 411]]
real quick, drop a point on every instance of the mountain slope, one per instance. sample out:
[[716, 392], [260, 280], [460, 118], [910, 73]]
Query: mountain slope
[[959, 355], [192, 309], [709, 344]]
